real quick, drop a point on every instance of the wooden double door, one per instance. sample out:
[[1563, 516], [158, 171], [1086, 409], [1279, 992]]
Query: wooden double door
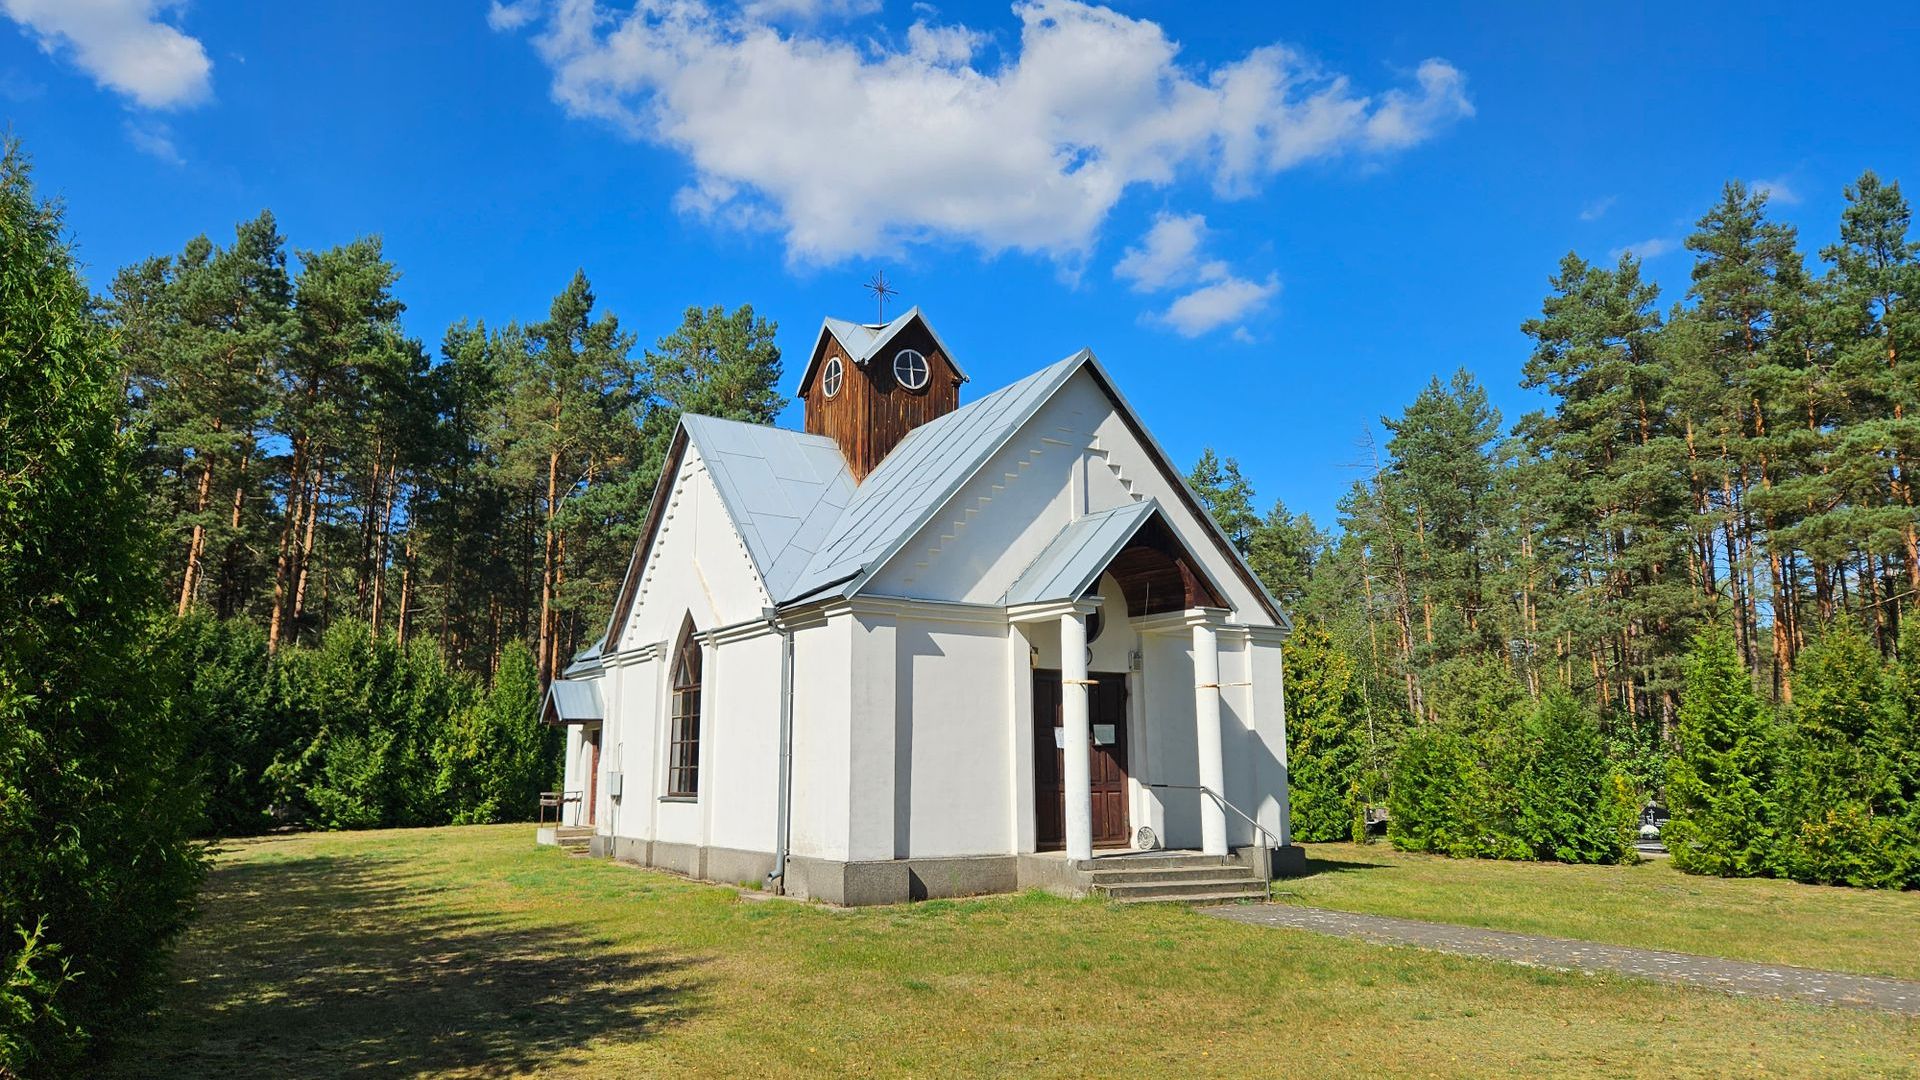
[[1107, 715]]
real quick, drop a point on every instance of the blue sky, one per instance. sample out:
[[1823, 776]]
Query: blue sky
[[1274, 223]]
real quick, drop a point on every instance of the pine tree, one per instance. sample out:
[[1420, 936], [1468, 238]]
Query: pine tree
[[1227, 496]]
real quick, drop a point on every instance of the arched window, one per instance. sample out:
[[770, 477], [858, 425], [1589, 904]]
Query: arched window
[[683, 751]]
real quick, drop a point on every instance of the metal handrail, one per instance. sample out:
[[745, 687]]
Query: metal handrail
[[1274, 841]]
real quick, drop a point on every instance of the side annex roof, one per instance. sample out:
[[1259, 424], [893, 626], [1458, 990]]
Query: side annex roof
[[783, 489]]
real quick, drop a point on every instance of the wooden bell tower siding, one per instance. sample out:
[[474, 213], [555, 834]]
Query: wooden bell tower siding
[[872, 411]]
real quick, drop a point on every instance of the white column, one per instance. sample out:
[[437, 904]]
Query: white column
[[1206, 717], [1077, 735]]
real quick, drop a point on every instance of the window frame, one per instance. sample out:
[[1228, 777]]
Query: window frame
[[832, 374], [685, 701], [926, 369]]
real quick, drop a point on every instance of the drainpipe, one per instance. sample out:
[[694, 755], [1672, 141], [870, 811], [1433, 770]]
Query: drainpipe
[[784, 801]]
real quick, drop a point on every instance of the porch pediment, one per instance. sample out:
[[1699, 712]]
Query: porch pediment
[[1135, 544], [573, 701]]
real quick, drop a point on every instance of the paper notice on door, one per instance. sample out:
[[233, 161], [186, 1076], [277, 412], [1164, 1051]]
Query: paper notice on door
[[1103, 734], [1059, 738]]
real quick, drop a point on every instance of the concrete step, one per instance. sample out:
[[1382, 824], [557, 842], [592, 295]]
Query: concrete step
[[1187, 890], [1215, 892], [1167, 860], [1130, 875]]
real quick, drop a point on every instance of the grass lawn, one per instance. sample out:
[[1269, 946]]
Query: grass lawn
[[472, 952], [1652, 905]]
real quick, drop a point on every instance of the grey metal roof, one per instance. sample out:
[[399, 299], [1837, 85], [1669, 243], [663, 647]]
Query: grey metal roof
[[919, 476], [587, 659], [863, 340], [1074, 558], [573, 701], [783, 489]]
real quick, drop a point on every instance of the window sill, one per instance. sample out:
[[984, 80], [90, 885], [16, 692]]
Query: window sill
[[680, 798]]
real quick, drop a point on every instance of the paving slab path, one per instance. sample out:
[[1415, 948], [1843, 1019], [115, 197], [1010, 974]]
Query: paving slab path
[[1566, 954]]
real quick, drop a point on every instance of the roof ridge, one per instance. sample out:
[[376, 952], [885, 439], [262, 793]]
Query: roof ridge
[[913, 504]]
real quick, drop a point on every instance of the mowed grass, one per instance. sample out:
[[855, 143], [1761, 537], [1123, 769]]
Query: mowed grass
[[1652, 905], [470, 952]]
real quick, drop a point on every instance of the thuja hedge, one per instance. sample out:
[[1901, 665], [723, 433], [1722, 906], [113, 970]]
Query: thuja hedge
[[97, 865], [360, 731], [1513, 783], [1825, 791]]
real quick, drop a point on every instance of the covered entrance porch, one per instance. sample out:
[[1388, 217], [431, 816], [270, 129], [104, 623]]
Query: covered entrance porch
[[1123, 717]]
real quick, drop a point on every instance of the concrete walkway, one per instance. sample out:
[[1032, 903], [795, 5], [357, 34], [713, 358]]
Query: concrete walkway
[[1731, 976]]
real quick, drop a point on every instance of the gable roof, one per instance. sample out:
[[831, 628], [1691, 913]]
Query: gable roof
[[924, 472], [919, 476], [863, 341], [1073, 559], [572, 701], [783, 489]]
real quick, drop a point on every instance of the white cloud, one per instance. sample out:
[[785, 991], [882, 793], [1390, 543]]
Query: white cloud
[[123, 45], [154, 140], [809, 9], [1169, 257], [861, 148], [508, 15], [1598, 208], [1210, 306], [1651, 248], [1777, 191]]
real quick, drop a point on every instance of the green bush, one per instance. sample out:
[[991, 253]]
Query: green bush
[[1720, 777], [1571, 805], [375, 712], [1516, 786], [97, 802], [496, 756], [1436, 801], [1326, 737], [238, 729], [1842, 788]]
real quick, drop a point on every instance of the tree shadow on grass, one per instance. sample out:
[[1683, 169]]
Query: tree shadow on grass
[[1312, 867], [348, 967]]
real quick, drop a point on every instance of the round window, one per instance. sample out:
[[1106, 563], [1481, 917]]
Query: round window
[[830, 377], [1095, 624], [911, 369]]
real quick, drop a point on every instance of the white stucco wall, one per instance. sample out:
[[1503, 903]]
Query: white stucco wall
[[696, 568], [952, 740], [822, 761]]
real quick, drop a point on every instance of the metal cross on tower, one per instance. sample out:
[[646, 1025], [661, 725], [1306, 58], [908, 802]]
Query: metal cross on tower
[[881, 290]]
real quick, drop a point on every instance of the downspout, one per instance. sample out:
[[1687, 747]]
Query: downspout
[[784, 800]]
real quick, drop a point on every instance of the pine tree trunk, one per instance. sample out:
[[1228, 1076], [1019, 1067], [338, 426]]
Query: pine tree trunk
[[306, 555], [406, 592], [196, 545], [283, 562], [545, 652]]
